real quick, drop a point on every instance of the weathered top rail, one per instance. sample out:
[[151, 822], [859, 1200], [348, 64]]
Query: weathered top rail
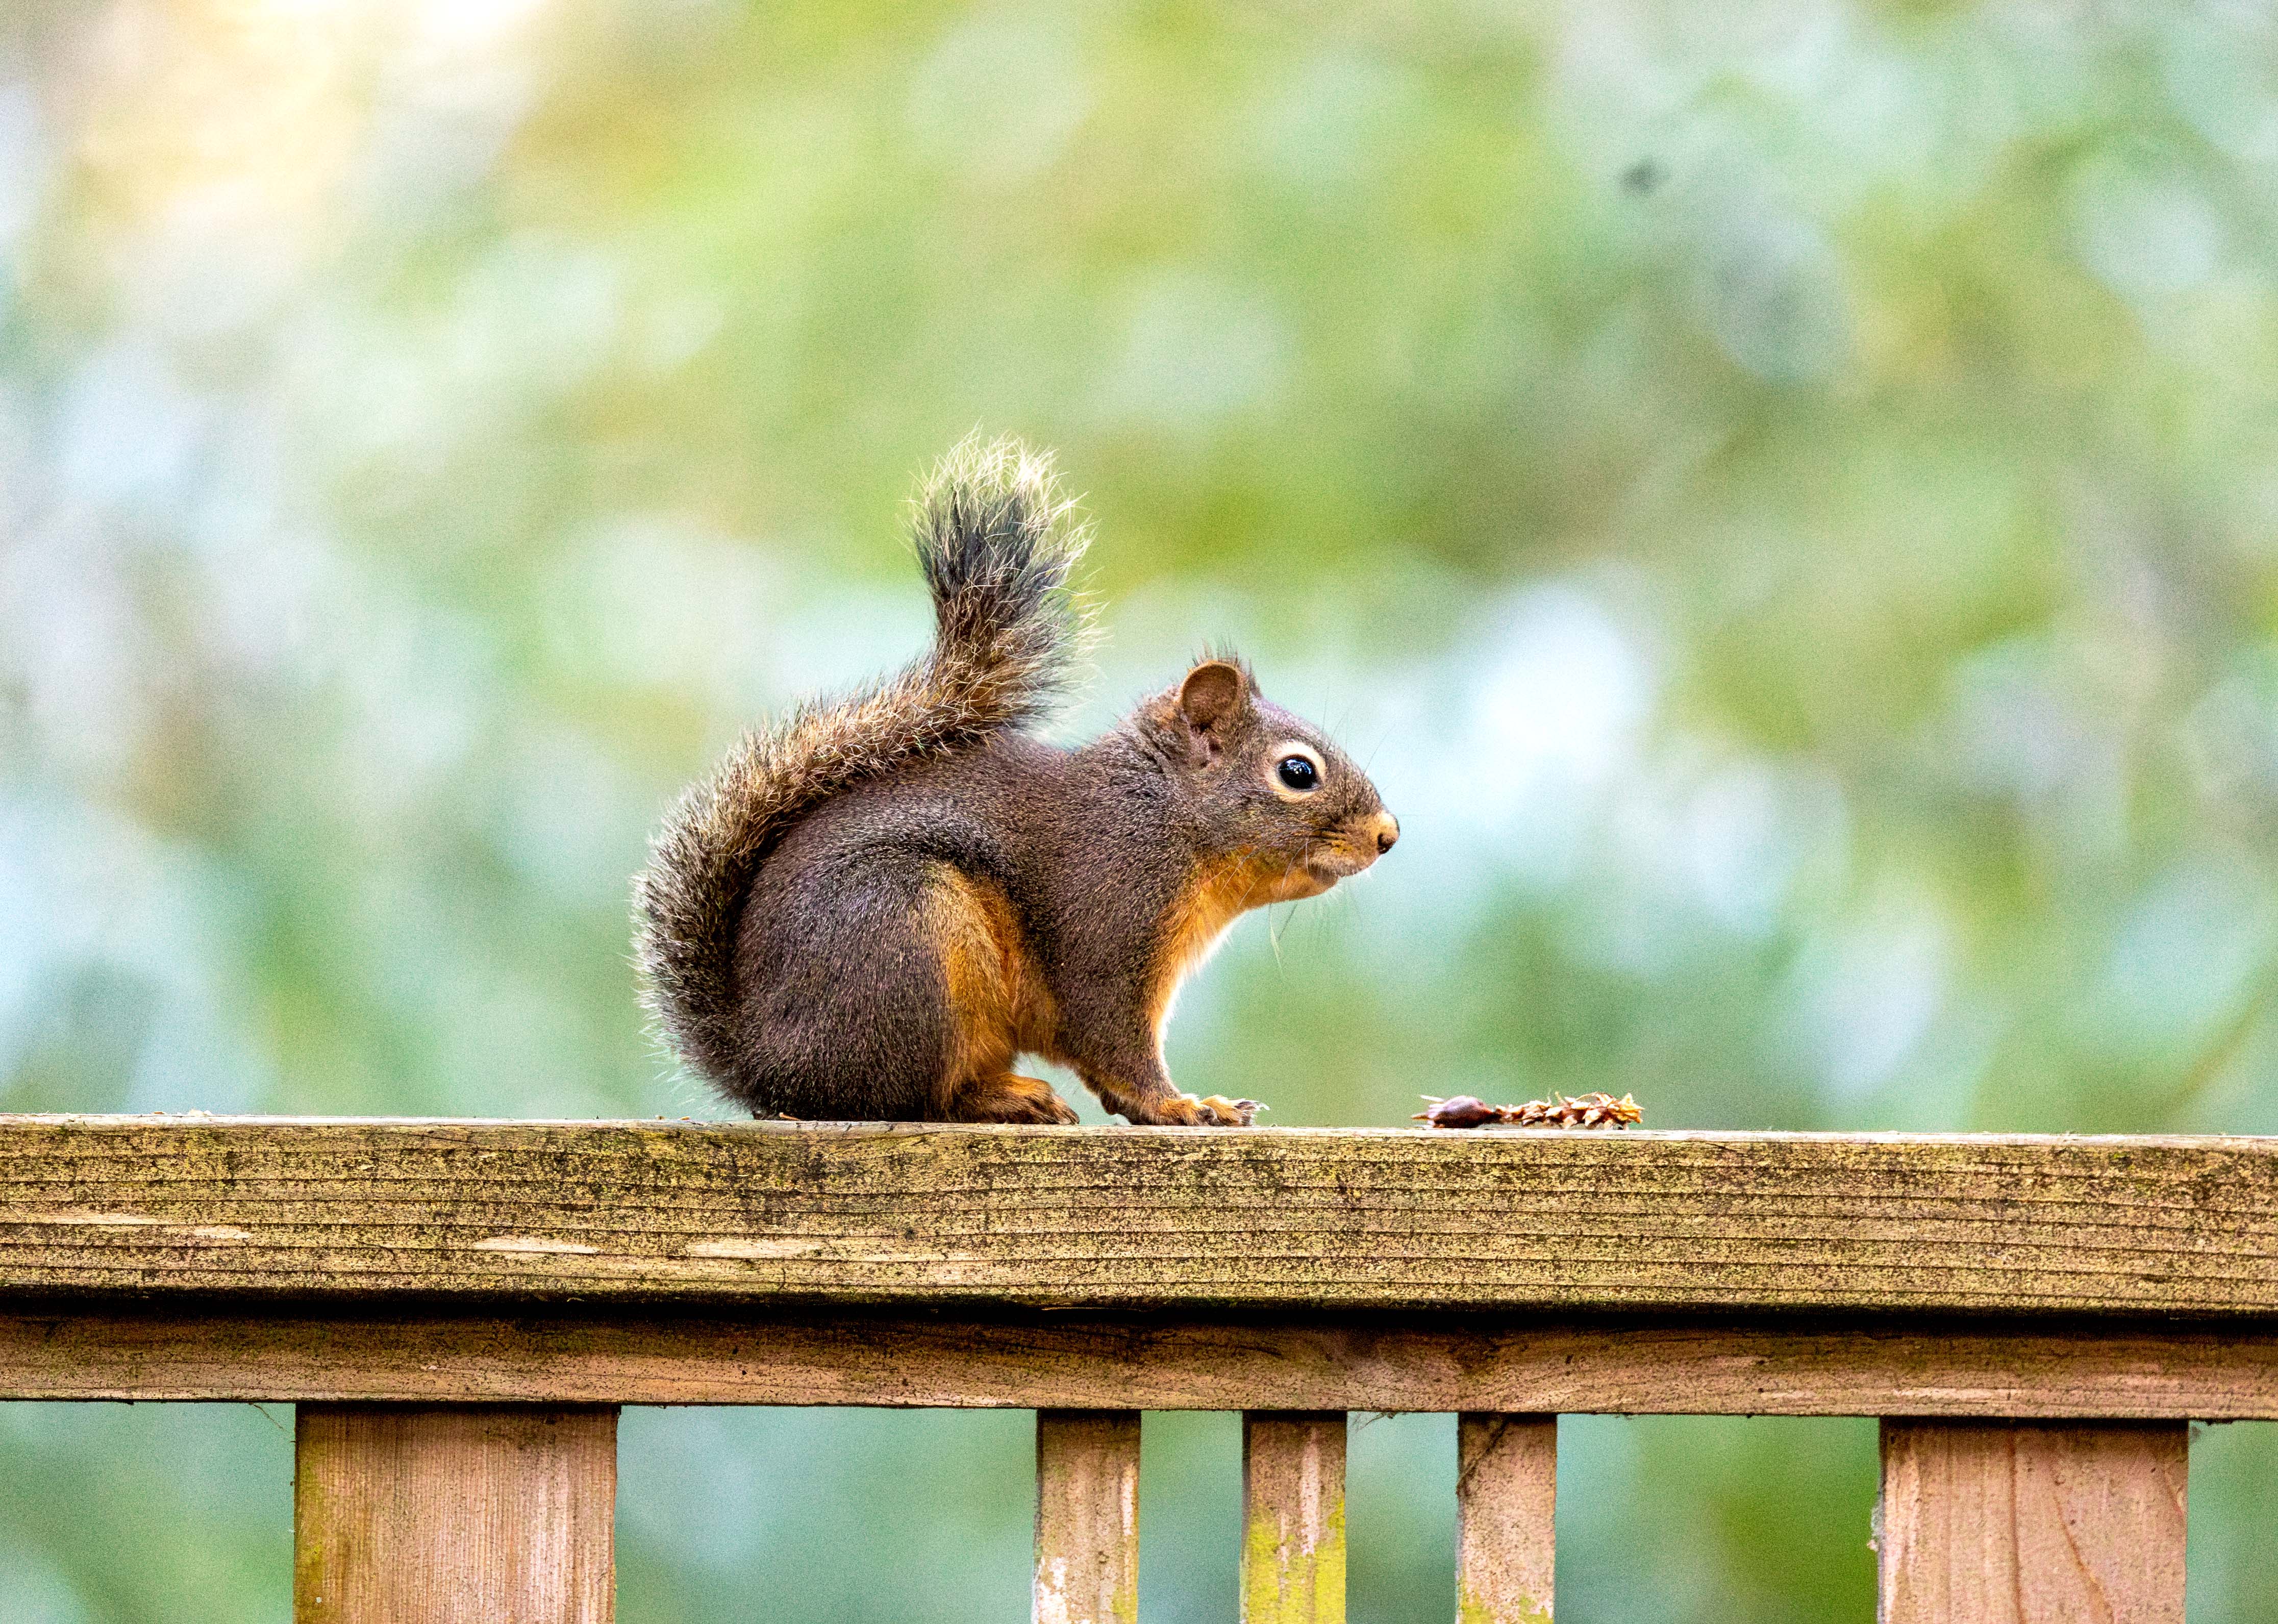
[[458, 1308], [175, 1208]]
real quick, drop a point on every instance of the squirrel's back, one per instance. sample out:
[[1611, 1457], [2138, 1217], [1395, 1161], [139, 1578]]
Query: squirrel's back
[[995, 542]]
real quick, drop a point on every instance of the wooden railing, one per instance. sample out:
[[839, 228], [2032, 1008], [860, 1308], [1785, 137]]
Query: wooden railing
[[458, 1308]]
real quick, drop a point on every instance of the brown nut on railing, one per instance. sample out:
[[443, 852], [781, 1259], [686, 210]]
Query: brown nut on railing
[[1592, 1110]]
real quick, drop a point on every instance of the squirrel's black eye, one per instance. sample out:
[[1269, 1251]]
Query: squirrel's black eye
[[1298, 773]]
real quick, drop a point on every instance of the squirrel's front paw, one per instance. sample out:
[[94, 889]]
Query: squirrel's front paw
[[1185, 1111]]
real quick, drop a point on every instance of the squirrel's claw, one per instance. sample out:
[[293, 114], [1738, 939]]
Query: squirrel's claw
[[1182, 1110]]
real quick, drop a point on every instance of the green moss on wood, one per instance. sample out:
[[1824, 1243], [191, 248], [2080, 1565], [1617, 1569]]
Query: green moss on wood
[[1285, 1582]]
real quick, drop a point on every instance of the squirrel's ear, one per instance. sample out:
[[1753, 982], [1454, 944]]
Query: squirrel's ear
[[1214, 694]]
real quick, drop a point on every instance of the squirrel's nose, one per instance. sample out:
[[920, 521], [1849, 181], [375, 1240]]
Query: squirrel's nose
[[1388, 830]]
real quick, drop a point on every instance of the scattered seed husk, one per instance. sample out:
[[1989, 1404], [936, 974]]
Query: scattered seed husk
[[1559, 1111]]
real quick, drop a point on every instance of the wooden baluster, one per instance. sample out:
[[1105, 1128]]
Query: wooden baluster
[[1506, 1517], [1293, 1517], [467, 1515], [2023, 1524], [1086, 1517]]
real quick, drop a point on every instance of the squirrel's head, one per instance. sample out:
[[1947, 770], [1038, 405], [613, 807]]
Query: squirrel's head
[[1268, 786]]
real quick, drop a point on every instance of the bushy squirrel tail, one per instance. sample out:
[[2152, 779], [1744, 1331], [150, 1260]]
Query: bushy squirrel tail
[[996, 541]]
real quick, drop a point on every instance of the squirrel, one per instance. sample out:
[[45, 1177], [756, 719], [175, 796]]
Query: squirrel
[[869, 909]]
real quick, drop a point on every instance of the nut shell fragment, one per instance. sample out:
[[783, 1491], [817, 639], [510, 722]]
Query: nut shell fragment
[[1592, 1110]]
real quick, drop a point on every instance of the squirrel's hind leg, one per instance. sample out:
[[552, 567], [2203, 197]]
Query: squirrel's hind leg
[[846, 1012], [994, 1004], [1008, 1097]]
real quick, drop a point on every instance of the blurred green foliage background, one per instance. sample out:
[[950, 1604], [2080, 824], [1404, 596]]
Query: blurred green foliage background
[[1782, 495]]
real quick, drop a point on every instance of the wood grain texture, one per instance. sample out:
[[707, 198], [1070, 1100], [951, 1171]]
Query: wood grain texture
[[2031, 1524], [1293, 1517], [287, 1353], [1086, 1517], [1133, 1218], [1506, 1518], [472, 1515]]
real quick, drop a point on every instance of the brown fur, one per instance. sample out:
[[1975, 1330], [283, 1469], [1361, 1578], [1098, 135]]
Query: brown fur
[[998, 1003], [874, 908], [1220, 889], [996, 543]]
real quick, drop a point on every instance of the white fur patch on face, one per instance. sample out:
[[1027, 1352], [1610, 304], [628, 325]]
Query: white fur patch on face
[[1303, 751]]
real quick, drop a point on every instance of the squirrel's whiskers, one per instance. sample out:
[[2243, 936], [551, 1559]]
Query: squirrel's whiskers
[[871, 909]]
